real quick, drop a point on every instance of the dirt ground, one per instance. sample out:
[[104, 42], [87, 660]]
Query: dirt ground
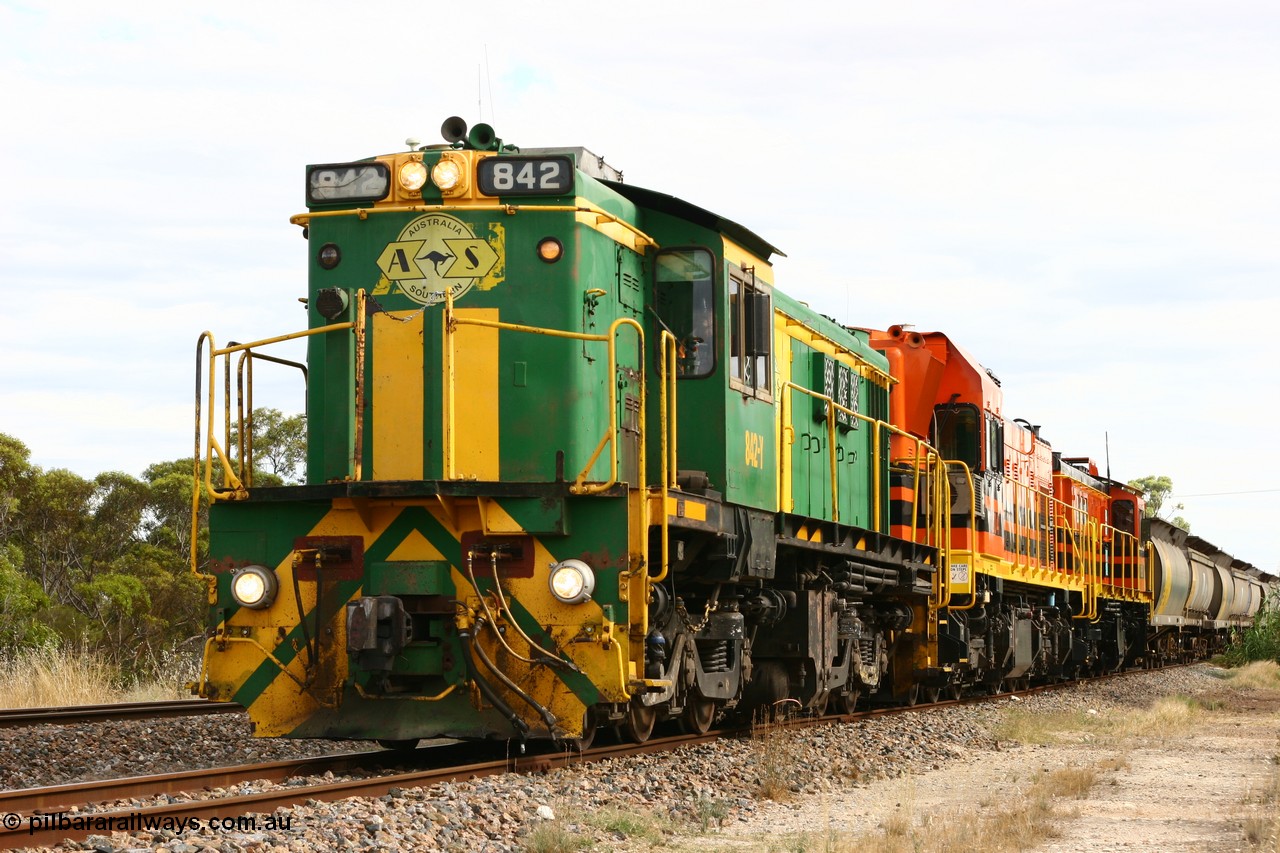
[[1190, 791]]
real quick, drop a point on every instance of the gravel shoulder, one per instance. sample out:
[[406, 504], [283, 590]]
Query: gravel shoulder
[[1192, 790], [1197, 793]]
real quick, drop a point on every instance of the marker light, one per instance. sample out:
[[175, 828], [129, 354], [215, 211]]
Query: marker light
[[254, 587], [412, 175], [329, 256], [550, 249], [572, 581]]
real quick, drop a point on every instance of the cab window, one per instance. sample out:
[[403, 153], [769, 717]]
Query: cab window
[[750, 334], [995, 444], [1122, 517], [685, 304], [958, 434]]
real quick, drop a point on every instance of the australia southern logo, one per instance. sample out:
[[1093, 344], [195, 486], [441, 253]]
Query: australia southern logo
[[436, 253]]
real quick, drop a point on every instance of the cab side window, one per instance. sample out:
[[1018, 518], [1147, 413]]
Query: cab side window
[[750, 334], [958, 434], [1122, 517], [995, 444], [685, 303]]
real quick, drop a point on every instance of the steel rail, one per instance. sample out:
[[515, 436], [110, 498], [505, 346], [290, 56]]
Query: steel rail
[[55, 797], [68, 714]]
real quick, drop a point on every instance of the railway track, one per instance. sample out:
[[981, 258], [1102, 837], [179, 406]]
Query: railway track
[[446, 763], [61, 798], [68, 715]]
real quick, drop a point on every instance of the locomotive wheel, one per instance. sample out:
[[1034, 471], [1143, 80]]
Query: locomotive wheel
[[589, 729], [698, 716], [845, 701], [399, 745], [913, 696], [931, 694], [639, 723]]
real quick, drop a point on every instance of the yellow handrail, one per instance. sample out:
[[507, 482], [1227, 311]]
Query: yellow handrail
[[233, 486], [667, 415], [214, 354], [580, 485], [1083, 539], [304, 219], [879, 427], [972, 553], [244, 397], [1128, 577], [1045, 515]]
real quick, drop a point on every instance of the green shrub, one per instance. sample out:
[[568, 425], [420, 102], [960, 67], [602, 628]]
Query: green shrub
[[1261, 640]]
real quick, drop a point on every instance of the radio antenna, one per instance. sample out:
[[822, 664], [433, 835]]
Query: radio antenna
[[1106, 444], [493, 116]]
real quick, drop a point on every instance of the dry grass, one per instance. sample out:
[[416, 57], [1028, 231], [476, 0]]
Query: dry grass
[[1259, 675], [554, 837], [626, 825], [1167, 717], [48, 676], [1261, 826], [775, 761], [1073, 782], [1027, 814], [570, 829]]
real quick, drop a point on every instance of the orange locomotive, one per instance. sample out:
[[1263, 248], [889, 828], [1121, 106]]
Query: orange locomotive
[[1046, 575]]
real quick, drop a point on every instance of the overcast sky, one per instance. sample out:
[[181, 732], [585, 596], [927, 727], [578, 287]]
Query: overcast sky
[[1086, 195]]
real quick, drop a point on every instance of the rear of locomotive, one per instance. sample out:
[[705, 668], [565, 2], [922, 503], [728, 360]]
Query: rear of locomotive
[[464, 556]]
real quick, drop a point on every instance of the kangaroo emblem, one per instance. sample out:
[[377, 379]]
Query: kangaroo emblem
[[435, 258]]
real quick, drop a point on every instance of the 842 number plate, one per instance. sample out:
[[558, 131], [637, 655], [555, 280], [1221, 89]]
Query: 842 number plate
[[525, 175]]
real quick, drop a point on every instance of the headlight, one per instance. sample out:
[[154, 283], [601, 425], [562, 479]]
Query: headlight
[[572, 581], [450, 174], [254, 587], [413, 175]]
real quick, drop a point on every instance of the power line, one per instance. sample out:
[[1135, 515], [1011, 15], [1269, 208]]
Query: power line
[[1217, 494]]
